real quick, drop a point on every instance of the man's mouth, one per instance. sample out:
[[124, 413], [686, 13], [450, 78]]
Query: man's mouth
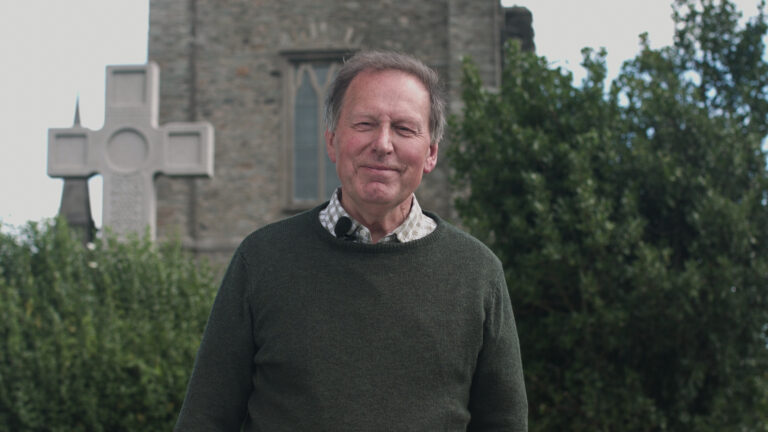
[[380, 167]]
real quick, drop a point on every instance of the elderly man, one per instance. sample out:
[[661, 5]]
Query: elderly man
[[365, 313]]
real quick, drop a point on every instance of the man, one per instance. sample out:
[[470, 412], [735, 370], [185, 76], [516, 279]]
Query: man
[[365, 313]]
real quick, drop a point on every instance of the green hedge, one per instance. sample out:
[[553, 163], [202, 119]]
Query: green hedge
[[98, 338]]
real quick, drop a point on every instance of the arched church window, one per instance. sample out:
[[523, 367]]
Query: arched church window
[[312, 174]]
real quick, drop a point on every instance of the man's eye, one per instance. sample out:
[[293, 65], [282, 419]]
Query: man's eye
[[363, 125], [403, 130]]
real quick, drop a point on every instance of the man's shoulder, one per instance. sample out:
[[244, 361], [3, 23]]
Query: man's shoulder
[[461, 243], [286, 231]]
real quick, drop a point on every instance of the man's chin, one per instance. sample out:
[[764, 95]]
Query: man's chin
[[381, 195]]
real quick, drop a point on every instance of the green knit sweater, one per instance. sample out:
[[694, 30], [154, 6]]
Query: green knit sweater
[[312, 333]]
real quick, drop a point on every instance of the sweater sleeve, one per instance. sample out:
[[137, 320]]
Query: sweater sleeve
[[220, 385], [498, 401]]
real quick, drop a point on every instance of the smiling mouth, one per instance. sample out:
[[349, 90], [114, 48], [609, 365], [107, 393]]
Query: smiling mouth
[[379, 168]]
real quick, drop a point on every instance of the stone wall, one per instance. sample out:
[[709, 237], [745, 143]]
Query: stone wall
[[225, 62]]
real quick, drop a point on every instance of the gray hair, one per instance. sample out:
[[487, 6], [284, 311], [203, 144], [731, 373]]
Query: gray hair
[[381, 61]]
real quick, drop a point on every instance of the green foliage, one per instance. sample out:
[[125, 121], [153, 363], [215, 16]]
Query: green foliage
[[633, 225], [98, 338]]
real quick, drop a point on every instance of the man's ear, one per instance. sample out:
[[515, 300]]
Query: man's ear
[[431, 161], [329, 145]]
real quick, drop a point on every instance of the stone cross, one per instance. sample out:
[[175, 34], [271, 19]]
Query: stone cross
[[131, 149]]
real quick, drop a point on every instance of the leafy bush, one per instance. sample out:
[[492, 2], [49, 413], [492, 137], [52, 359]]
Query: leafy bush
[[633, 225], [98, 338]]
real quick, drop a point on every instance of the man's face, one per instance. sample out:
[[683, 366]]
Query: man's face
[[381, 145]]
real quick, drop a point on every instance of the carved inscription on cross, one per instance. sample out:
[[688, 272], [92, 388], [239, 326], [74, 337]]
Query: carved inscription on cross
[[131, 149]]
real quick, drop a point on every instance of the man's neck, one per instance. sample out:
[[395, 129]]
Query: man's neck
[[379, 220]]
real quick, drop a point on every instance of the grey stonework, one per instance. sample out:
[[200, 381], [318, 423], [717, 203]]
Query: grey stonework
[[518, 24], [75, 208], [226, 62], [129, 151], [75, 205]]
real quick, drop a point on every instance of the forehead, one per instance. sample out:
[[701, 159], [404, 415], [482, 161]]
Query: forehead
[[389, 90]]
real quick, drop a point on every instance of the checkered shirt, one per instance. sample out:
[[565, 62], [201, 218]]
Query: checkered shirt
[[415, 226]]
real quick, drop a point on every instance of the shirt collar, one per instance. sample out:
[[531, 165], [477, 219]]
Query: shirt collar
[[415, 226]]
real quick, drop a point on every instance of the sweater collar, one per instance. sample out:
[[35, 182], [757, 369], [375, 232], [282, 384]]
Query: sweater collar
[[415, 226]]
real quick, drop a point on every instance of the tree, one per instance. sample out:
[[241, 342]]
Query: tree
[[98, 338], [633, 226]]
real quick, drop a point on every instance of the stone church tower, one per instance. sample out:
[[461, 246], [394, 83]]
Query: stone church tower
[[258, 70]]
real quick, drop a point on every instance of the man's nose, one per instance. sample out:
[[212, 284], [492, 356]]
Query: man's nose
[[382, 142]]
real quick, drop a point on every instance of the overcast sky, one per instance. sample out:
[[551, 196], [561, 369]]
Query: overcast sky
[[54, 51]]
